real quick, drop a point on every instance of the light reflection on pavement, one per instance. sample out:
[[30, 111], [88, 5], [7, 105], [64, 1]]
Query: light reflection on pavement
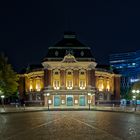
[[69, 125]]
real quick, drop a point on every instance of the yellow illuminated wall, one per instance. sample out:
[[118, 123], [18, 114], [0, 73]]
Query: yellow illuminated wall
[[34, 82], [104, 81]]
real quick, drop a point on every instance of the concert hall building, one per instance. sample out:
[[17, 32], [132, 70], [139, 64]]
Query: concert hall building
[[69, 76]]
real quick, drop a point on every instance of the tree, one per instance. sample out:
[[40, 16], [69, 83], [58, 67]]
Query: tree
[[126, 93], [8, 78]]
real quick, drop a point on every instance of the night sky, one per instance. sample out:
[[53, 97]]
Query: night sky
[[28, 28]]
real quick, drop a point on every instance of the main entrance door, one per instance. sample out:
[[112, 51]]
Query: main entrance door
[[57, 100], [69, 101], [82, 101]]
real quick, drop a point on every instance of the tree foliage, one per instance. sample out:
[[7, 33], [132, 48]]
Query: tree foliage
[[126, 93], [8, 78]]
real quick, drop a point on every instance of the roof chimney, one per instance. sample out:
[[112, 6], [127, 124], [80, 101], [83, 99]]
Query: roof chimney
[[69, 35]]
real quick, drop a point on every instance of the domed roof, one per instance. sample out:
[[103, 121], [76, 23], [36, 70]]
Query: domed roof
[[69, 44]]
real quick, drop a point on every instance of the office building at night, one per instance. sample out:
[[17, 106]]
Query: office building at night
[[128, 65]]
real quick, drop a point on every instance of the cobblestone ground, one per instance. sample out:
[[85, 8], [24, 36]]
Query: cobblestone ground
[[70, 125]]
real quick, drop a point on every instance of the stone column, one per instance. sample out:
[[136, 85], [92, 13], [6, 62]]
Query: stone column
[[92, 77], [88, 77], [47, 78], [117, 87], [62, 78], [76, 78]]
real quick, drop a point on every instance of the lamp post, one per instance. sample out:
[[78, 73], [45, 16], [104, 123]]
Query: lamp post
[[89, 101], [48, 94], [135, 92], [2, 100]]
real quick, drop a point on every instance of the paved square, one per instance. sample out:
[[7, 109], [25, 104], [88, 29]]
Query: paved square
[[69, 125]]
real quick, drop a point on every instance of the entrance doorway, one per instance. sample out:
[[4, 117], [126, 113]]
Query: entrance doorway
[[82, 101], [69, 101], [57, 100]]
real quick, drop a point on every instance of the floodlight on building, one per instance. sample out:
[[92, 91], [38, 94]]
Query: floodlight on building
[[48, 94], [89, 94]]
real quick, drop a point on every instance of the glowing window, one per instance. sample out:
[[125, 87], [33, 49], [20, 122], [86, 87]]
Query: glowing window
[[100, 85], [108, 86], [56, 84], [69, 85], [82, 84], [31, 85], [38, 85]]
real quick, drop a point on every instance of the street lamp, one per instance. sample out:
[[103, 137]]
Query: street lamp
[[135, 92], [2, 100], [89, 100], [48, 94]]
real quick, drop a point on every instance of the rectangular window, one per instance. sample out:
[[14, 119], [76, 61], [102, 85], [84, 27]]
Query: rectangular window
[[38, 85], [56, 84], [69, 85], [82, 84]]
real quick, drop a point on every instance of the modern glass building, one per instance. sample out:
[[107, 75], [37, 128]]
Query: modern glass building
[[128, 65]]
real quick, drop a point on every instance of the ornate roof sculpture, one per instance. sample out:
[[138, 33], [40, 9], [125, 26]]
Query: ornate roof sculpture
[[69, 59]]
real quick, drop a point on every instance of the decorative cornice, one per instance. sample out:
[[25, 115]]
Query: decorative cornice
[[34, 74], [62, 65]]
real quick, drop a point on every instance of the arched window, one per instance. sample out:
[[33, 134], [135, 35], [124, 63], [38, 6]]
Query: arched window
[[56, 79], [82, 79], [108, 85], [31, 85], [38, 84], [69, 79], [100, 84]]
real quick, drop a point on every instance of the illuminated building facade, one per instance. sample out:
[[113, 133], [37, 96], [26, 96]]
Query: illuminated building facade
[[69, 76]]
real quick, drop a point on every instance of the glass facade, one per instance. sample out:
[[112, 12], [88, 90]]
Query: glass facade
[[128, 65]]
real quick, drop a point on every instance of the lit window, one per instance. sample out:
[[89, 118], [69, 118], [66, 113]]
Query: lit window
[[56, 84], [31, 85], [69, 84], [100, 85], [133, 64], [38, 85], [63, 101], [108, 86], [82, 84], [76, 101]]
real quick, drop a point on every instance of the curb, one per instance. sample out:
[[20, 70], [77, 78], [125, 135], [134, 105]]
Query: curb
[[43, 110]]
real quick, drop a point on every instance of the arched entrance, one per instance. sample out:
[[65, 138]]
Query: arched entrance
[[82, 101], [57, 100], [69, 100]]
